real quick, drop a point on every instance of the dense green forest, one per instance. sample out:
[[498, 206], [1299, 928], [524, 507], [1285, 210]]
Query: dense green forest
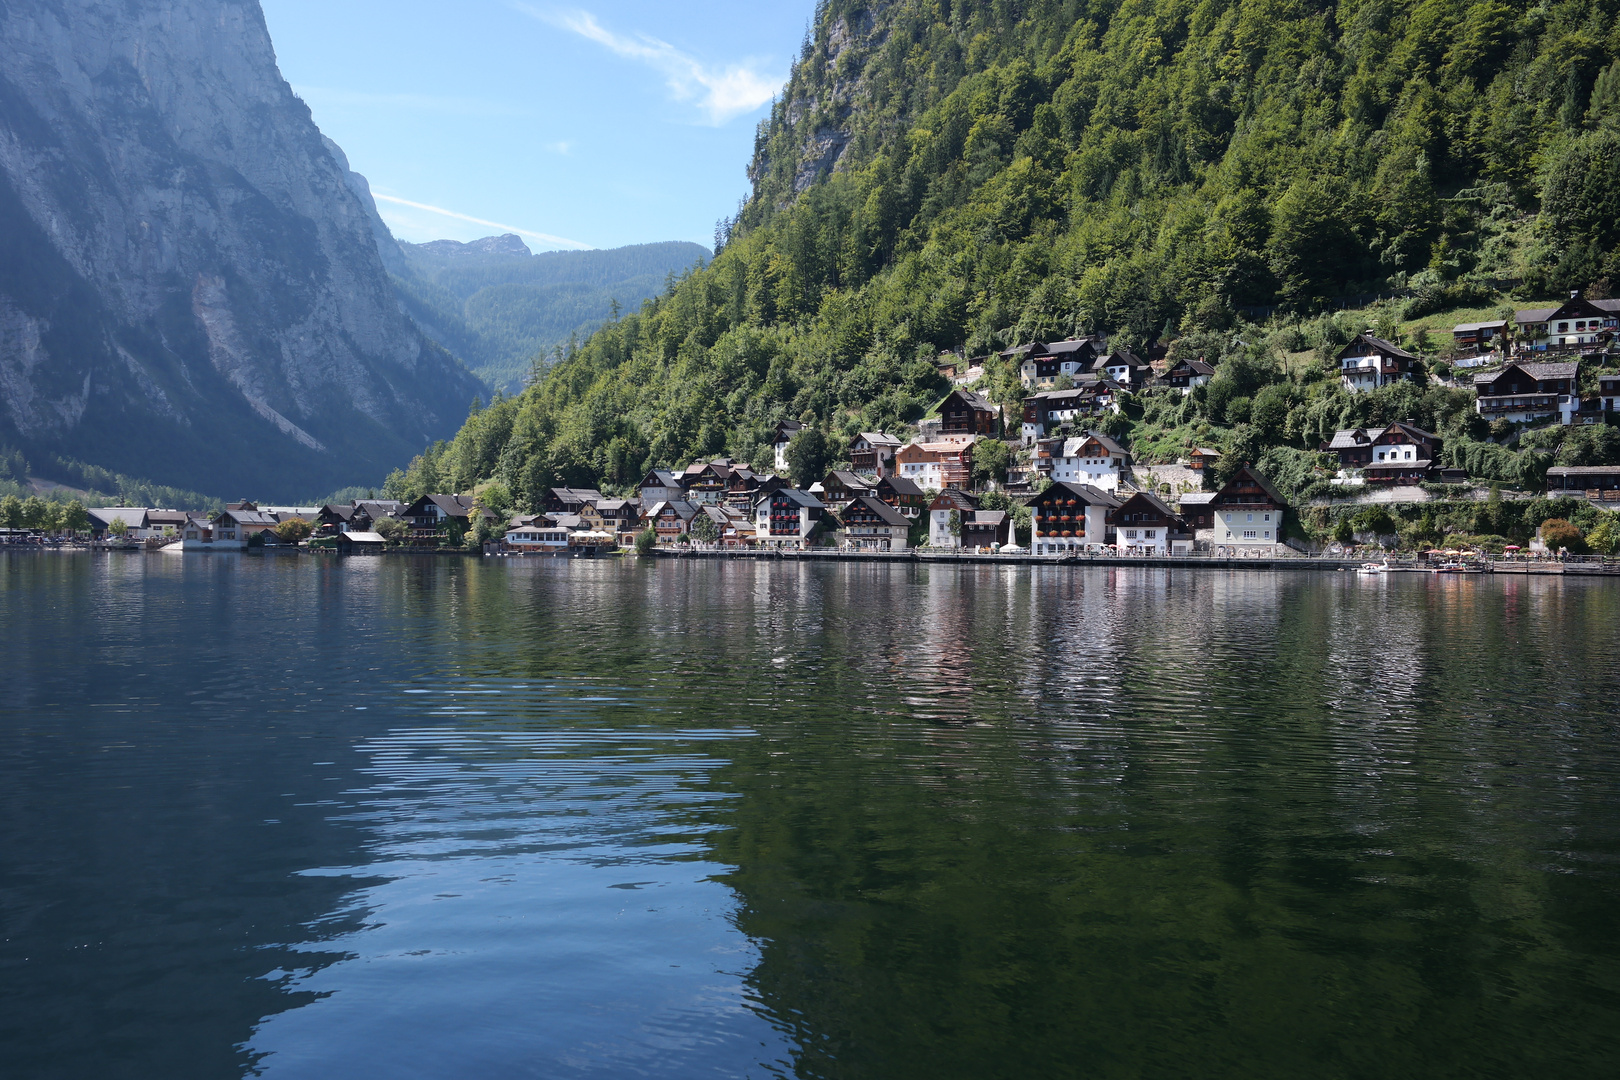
[[499, 307], [92, 485], [1220, 176]]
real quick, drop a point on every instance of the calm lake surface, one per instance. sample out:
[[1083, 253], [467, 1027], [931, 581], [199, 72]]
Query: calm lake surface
[[302, 817]]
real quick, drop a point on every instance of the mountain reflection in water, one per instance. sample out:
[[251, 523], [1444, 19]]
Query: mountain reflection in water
[[399, 817]]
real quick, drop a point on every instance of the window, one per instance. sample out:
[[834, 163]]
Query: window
[[1251, 517], [1151, 533], [1268, 534], [1268, 517], [1248, 534]]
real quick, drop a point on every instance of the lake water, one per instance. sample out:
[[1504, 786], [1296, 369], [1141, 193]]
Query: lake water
[[392, 818]]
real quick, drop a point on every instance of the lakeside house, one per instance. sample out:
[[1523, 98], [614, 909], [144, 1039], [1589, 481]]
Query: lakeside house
[[786, 518], [985, 530], [1248, 513], [1595, 482], [964, 412], [1125, 368], [947, 502], [564, 500], [1067, 518], [1145, 524], [869, 523], [840, 487], [1400, 453], [671, 520], [781, 439], [431, 513], [660, 485], [1471, 339]]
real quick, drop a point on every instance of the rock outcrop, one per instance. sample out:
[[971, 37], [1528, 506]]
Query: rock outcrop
[[191, 287]]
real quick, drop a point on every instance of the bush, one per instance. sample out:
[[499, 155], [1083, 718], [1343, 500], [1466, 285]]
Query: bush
[[1561, 535], [646, 540]]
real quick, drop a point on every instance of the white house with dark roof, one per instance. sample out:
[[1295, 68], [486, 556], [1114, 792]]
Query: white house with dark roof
[[1575, 323], [1529, 390], [872, 453], [1092, 458], [1369, 362]]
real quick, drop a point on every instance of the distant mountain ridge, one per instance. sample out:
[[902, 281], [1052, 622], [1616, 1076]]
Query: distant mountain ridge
[[497, 305], [191, 288]]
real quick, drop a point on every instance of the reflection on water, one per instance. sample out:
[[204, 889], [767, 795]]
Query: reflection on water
[[449, 818]]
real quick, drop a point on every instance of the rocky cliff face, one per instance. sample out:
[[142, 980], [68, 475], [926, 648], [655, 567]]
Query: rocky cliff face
[[190, 288]]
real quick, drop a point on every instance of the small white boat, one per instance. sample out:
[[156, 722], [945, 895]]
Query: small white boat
[[1371, 568]]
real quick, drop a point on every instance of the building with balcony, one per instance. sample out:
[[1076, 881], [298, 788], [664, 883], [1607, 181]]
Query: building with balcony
[[1369, 362], [1527, 391]]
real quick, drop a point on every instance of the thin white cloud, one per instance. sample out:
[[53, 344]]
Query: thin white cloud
[[563, 148], [450, 106], [721, 93], [546, 237]]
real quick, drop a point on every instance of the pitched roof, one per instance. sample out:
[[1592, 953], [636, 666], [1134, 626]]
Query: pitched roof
[[1085, 492], [1347, 439], [972, 399], [886, 513], [1260, 480], [849, 480], [900, 485], [953, 498], [986, 518], [361, 538], [1152, 500], [133, 516], [1071, 447], [1559, 369], [661, 478], [1466, 327], [880, 438], [1197, 498], [803, 498], [1378, 344], [1194, 367]]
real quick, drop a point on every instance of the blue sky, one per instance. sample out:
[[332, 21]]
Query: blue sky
[[595, 125]]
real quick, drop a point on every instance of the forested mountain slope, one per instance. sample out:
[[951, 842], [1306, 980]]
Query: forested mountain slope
[[499, 306], [952, 174]]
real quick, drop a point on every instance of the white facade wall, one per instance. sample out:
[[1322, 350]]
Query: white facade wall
[[1248, 528], [1148, 539], [1098, 472], [1096, 532], [939, 530]]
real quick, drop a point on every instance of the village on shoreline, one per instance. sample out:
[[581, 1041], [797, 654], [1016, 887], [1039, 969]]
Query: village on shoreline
[[1056, 486]]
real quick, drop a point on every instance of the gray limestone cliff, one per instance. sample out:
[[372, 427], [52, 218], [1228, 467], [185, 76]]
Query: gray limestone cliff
[[191, 283]]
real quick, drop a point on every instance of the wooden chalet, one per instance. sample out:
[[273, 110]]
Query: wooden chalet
[[841, 486], [1145, 523], [1385, 449], [1367, 363], [1125, 368], [619, 516], [427, 515], [1526, 390], [333, 518], [1045, 411], [1092, 458], [706, 481], [1248, 512], [902, 494], [986, 529], [1068, 517], [869, 522], [1189, 373], [1197, 510], [661, 485], [670, 520], [1470, 339], [1200, 458], [964, 412]]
